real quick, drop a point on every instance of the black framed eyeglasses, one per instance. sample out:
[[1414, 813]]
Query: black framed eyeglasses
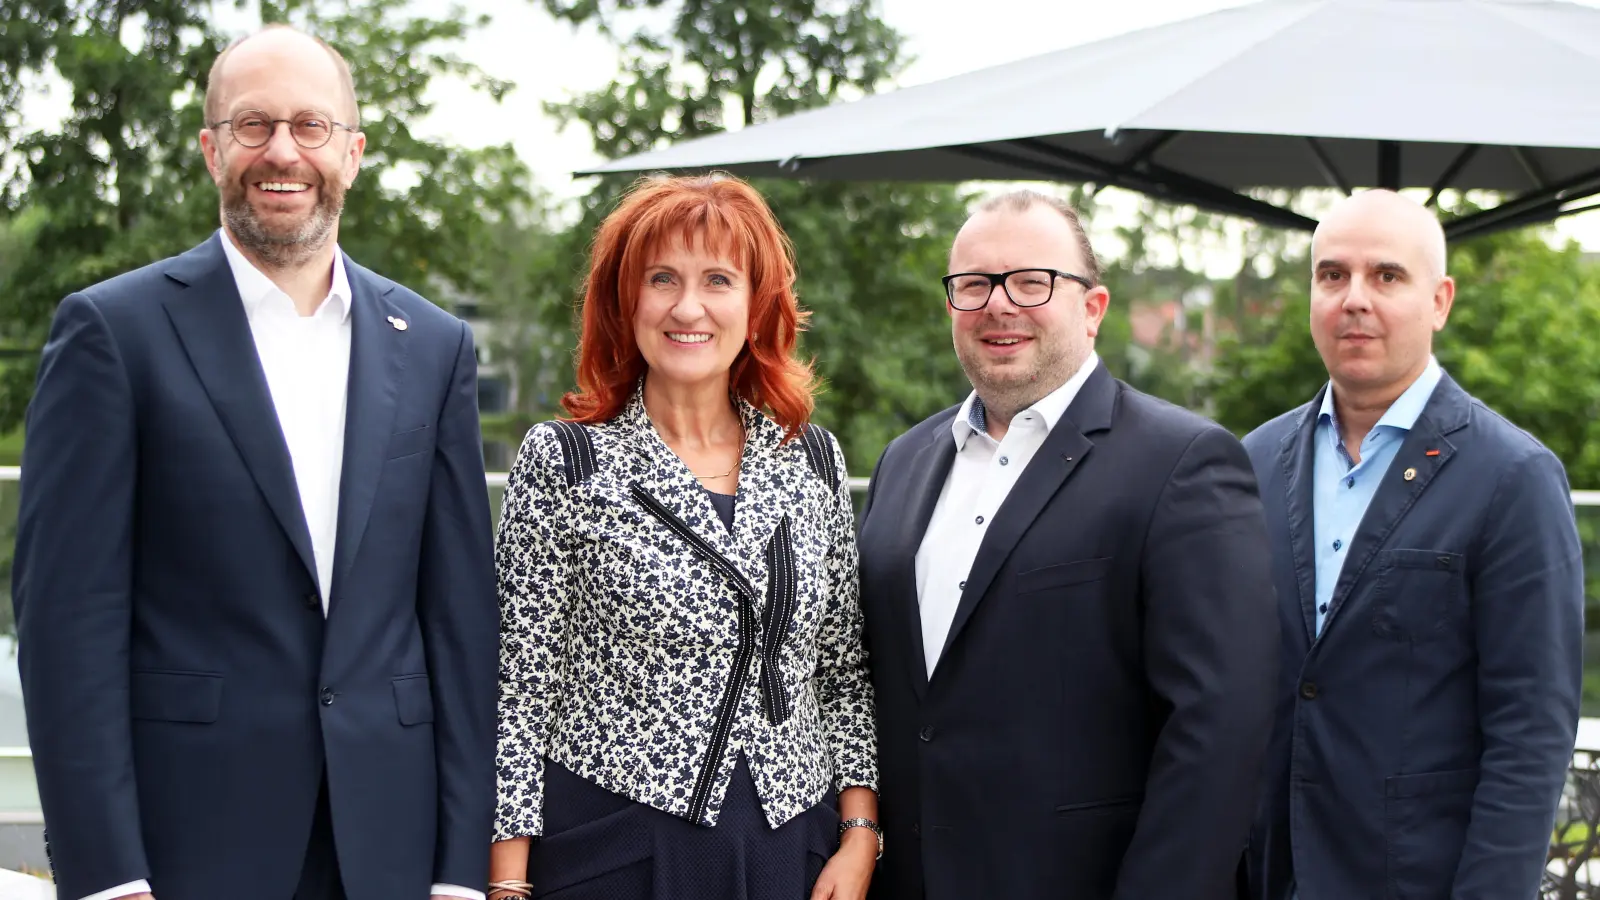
[[310, 129], [969, 291]]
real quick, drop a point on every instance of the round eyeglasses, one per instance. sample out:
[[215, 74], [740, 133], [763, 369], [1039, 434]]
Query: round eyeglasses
[[969, 291], [310, 129]]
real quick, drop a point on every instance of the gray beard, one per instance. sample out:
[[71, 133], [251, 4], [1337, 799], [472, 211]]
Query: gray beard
[[277, 248]]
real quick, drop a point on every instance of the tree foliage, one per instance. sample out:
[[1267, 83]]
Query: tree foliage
[[120, 182], [870, 255]]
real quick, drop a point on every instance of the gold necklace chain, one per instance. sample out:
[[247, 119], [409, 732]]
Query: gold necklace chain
[[723, 475], [736, 462]]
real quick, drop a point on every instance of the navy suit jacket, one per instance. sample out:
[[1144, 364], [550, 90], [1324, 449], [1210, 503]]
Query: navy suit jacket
[[1094, 726], [184, 693], [1422, 741]]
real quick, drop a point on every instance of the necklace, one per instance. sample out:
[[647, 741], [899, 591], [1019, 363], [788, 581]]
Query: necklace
[[736, 462], [723, 475]]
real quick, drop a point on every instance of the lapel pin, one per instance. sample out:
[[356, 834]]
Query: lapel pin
[[1410, 474], [1431, 453], [398, 323]]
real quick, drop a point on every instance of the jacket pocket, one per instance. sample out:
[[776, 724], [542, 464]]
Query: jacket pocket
[[413, 699], [176, 696], [1417, 593], [1107, 803], [410, 443], [1425, 818], [1064, 574]]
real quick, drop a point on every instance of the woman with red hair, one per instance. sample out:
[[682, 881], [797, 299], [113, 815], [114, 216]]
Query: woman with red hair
[[684, 706]]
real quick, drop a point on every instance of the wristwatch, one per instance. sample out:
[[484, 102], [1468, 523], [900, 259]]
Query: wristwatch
[[868, 824]]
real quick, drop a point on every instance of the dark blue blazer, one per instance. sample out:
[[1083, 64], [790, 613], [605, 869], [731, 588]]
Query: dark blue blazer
[[184, 693], [1095, 724], [1422, 741]]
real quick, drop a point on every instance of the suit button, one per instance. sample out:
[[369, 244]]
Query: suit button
[[313, 600], [926, 733], [327, 696], [916, 829], [1308, 690]]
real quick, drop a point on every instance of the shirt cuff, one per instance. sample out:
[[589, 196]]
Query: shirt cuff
[[140, 887], [451, 890]]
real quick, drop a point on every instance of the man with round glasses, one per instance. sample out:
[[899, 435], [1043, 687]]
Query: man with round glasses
[[254, 579], [1068, 602]]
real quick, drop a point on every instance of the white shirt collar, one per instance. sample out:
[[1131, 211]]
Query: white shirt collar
[[255, 286], [969, 420]]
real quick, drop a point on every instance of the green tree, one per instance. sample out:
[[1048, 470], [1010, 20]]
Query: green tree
[[1523, 336], [870, 255], [121, 182]]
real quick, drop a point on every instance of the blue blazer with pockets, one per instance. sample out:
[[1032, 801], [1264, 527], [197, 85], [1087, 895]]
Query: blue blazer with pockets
[[185, 694], [1422, 740]]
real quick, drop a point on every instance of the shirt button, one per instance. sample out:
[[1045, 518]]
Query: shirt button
[[980, 520], [1349, 482], [926, 733], [1338, 545], [1323, 608], [327, 696], [963, 585], [1005, 461]]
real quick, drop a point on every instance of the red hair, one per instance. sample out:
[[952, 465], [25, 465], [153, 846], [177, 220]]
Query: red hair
[[726, 216]]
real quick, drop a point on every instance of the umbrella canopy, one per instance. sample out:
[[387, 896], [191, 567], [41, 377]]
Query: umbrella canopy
[[1467, 94]]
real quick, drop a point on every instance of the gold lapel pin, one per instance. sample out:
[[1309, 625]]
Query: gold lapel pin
[[398, 323], [1410, 474]]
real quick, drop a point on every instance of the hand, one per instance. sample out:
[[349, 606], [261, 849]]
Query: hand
[[849, 871]]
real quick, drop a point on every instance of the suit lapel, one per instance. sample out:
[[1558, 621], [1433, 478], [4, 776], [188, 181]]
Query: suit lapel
[[1408, 476], [762, 478], [929, 469], [1296, 457], [209, 318], [666, 479], [1062, 452], [377, 359]]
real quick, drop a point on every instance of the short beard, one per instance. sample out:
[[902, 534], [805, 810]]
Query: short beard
[[1008, 395], [278, 248]]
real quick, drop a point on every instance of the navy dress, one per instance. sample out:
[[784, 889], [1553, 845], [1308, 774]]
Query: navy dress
[[598, 845]]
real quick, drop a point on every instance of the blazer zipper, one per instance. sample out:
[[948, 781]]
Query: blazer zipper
[[740, 675]]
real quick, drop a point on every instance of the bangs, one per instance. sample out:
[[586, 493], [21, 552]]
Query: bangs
[[693, 222]]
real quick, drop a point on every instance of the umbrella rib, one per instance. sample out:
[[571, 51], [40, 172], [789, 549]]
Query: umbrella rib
[[1535, 174], [1528, 207], [1451, 171], [1187, 188], [1054, 171], [1325, 163]]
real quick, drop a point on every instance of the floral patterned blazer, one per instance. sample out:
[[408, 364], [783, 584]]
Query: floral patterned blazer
[[644, 646]]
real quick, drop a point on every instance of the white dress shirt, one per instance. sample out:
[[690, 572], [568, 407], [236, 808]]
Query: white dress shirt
[[307, 363], [980, 479]]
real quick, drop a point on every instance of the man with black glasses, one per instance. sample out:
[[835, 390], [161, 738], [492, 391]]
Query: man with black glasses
[[254, 581], [1068, 603]]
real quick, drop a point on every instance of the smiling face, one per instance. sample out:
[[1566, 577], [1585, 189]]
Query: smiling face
[[1378, 294], [280, 201], [692, 315], [1014, 356]]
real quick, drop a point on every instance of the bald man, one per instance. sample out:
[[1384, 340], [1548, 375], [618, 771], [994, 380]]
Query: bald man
[[254, 578], [1430, 591]]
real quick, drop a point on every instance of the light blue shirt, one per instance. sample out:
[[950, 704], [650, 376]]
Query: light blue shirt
[[1342, 488]]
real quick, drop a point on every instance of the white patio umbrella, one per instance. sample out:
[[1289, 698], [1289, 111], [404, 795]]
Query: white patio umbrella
[[1490, 94]]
